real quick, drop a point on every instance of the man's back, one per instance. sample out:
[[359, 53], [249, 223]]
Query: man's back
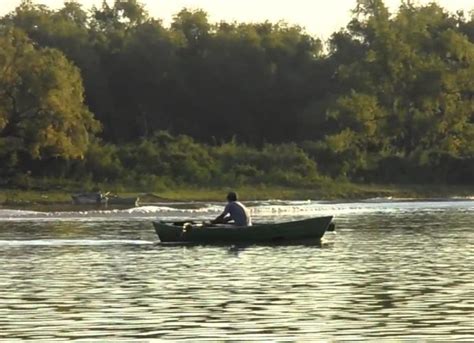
[[239, 213]]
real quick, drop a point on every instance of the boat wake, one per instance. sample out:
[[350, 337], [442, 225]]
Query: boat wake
[[71, 242]]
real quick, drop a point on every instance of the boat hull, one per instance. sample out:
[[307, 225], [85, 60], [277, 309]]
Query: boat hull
[[309, 229]]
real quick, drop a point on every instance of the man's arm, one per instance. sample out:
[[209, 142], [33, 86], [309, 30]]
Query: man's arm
[[222, 219]]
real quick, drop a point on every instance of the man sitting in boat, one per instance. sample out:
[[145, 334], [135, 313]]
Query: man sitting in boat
[[234, 211]]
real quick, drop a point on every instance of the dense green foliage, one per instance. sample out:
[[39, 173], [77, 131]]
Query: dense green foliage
[[112, 95], [410, 97], [42, 113]]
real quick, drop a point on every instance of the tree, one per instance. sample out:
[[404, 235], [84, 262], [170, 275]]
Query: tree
[[417, 70], [146, 81], [42, 111], [194, 25]]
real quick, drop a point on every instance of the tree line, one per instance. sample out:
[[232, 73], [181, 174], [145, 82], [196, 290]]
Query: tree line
[[110, 94]]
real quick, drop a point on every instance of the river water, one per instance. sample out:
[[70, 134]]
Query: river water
[[392, 270]]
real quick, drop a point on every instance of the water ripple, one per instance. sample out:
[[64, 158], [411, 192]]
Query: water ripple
[[400, 273]]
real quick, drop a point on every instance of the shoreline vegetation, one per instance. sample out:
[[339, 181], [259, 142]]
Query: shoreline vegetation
[[109, 98], [15, 198]]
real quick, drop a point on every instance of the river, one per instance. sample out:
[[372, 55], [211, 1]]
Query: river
[[398, 270]]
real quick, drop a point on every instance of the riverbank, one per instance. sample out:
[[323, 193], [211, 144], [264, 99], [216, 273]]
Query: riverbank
[[335, 191]]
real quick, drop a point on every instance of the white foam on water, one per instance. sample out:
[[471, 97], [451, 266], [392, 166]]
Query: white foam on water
[[470, 197], [143, 212], [207, 208]]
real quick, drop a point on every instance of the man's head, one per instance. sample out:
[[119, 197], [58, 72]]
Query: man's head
[[231, 196]]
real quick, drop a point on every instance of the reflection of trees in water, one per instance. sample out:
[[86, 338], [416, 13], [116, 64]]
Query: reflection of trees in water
[[403, 264], [385, 274], [45, 230]]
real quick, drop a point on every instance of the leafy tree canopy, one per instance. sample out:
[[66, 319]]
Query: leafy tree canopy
[[42, 113]]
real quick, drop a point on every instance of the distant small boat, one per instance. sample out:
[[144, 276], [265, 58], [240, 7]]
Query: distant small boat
[[98, 198], [194, 232], [95, 198]]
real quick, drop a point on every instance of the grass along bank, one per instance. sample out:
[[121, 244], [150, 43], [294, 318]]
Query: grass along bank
[[332, 191]]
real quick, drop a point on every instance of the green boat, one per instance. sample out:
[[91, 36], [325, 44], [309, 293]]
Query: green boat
[[202, 232]]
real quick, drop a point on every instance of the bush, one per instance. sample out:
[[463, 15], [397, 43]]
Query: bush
[[103, 163], [282, 164]]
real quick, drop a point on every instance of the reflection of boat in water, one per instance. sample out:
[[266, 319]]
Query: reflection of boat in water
[[195, 232], [95, 198], [98, 198]]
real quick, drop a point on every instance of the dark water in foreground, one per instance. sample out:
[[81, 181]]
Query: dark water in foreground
[[393, 270]]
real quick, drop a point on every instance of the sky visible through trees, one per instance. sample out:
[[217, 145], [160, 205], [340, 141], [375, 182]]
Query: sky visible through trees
[[320, 18]]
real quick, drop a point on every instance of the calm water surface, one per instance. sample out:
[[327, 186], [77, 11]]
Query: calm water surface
[[393, 270]]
